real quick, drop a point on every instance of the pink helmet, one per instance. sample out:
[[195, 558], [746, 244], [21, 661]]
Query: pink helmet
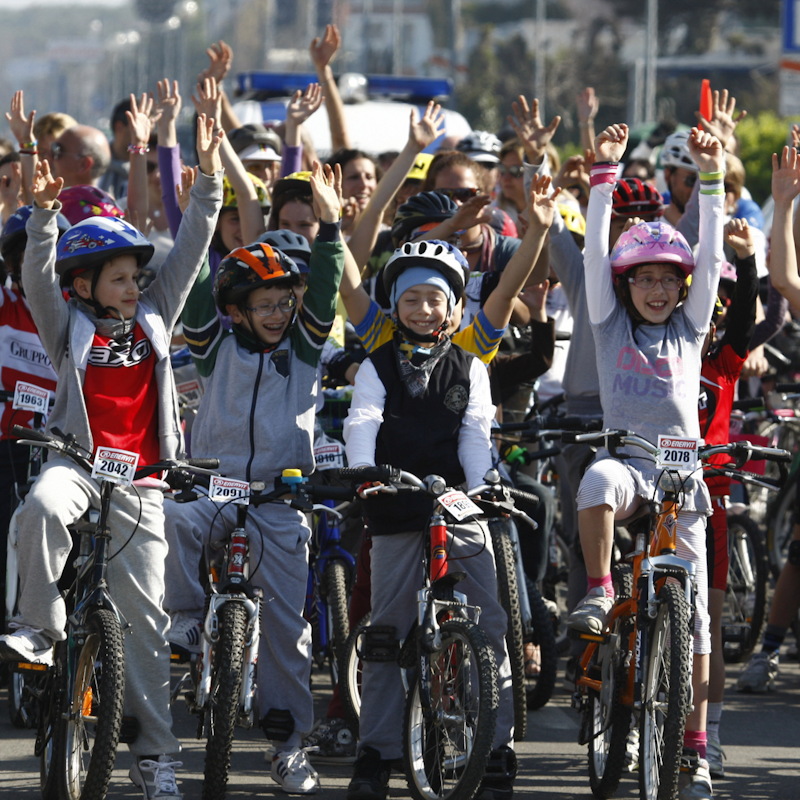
[[728, 272], [84, 202], [651, 243]]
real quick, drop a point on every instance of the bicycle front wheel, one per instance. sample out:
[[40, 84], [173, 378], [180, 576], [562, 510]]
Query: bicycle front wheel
[[334, 581], [781, 520], [746, 594], [94, 709], [350, 683], [665, 695], [539, 688], [223, 701], [450, 716], [508, 594]]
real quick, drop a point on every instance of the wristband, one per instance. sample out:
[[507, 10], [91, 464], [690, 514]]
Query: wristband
[[603, 172], [138, 149], [28, 145], [712, 183], [29, 152]]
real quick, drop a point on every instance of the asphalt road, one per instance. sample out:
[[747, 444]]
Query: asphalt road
[[760, 735]]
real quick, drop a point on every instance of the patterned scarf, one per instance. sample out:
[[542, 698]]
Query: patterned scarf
[[416, 364]]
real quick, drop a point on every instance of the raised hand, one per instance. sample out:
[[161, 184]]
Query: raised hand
[[528, 126], [209, 99], [575, 172], [541, 204], [472, 213], [184, 188], [588, 105], [325, 48], [324, 191], [208, 145], [706, 151], [785, 176], [45, 188], [220, 59], [428, 129], [740, 237], [10, 186], [21, 126], [795, 135], [535, 298], [610, 144], [722, 123], [302, 106], [169, 102], [139, 120]]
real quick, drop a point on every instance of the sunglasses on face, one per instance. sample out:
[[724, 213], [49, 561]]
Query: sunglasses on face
[[57, 151], [462, 194], [690, 180], [515, 170]]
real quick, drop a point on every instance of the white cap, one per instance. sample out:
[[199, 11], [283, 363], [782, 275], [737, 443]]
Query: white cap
[[259, 152]]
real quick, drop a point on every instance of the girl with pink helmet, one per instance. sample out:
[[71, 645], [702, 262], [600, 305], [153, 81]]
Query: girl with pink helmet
[[649, 328]]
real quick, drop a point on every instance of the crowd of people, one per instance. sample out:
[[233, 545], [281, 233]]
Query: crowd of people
[[443, 286]]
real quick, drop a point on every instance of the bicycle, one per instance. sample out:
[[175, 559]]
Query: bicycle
[[80, 705], [641, 665], [450, 669], [223, 675]]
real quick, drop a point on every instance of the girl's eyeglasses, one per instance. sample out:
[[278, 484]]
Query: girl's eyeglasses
[[268, 309], [670, 282]]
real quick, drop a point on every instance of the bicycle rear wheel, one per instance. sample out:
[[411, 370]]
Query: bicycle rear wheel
[[508, 594], [446, 747], [746, 594], [350, 678], [780, 525], [665, 695], [539, 688], [223, 700], [94, 708], [609, 719], [50, 733]]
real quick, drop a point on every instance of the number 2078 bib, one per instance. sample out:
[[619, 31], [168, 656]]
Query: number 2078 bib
[[677, 452]]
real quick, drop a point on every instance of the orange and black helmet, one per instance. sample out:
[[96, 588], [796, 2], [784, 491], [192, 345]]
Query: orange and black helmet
[[249, 268]]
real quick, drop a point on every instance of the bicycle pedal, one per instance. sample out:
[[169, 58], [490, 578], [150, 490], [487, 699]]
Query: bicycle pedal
[[129, 730]]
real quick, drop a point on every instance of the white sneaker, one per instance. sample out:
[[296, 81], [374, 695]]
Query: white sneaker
[[632, 748], [591, 614], [759, 675], [714, 756], [695, 780], [186, 632], [162, 783], [292, 770], [27, 644]]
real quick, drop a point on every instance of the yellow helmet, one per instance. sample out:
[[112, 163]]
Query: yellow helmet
[[573, 219], [229, 196]]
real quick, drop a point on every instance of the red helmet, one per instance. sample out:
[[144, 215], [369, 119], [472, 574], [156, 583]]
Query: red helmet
[[84, 202], [634, 197]]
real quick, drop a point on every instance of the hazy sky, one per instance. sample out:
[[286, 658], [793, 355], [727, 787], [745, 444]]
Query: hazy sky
[[16, 5]]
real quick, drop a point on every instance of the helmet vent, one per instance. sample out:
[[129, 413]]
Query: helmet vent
[[439, 249], [422, 248]]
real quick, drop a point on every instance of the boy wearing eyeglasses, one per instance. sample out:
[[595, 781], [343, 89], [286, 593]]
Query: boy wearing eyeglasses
[[257, 417]]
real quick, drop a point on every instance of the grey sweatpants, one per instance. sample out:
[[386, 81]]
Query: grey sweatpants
[[279, 566], [60, 495], [397, 576]]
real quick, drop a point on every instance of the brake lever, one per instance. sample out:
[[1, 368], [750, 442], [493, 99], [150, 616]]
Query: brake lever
[[319, 507]]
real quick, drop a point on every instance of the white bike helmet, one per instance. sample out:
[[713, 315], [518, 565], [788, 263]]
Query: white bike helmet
[[675, 152], [481, 146]]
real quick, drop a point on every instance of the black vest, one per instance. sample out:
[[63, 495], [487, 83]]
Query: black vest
[[418, 434]]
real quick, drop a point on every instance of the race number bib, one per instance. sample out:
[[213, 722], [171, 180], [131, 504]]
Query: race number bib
[[31, 398], [677, 453], [229, 490], [191, 393], [459, 505], [116, 466], [329, 455]]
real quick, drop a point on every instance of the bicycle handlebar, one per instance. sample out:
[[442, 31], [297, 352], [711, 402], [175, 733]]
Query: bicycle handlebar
[[543, 426], [382, 473]]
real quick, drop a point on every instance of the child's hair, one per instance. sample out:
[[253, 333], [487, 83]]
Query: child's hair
[[455, 158], [734, 174], [53, 124], [344, 156]]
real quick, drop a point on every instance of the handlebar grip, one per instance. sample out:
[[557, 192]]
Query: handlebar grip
[[747, 403], [523, 498], [203, 463], [787, 387], [29, 433], [383, 473]]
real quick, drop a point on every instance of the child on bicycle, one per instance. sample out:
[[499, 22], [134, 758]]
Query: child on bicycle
[[649, 330], [262, 383], [422, 403], [110, 348]]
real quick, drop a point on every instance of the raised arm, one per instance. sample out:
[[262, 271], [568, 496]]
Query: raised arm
[[251, 217], [588, 106], [220, 61], [783, 255], [322, 52], [22, 128], [300, 108], [169, 154], [527, 124], [139, 124], [526, 266], [421, 134], [708, 154]]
